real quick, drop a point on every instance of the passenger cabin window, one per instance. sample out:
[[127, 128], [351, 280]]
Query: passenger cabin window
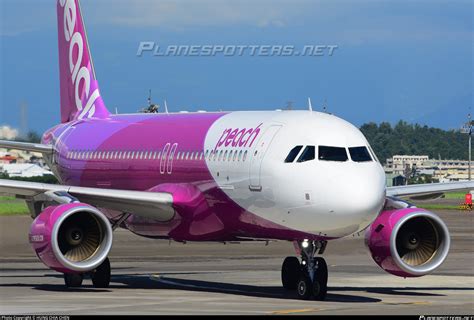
[[293, 153], [360, 154], [332, 154], [309, 153]]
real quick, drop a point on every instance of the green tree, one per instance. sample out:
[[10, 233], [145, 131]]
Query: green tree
[[405, 138], [31, 136]]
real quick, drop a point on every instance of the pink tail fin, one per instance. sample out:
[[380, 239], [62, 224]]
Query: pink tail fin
[[79, 89]]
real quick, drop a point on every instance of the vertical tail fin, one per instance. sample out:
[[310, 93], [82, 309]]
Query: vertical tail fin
[[79, 89]]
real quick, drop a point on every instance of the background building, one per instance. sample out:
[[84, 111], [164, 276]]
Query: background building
[[416, 166], [398, 163], [23, 170]]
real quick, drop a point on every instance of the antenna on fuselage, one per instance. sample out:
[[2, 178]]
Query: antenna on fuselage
[[166, 107], [310, 106], [151, 108]]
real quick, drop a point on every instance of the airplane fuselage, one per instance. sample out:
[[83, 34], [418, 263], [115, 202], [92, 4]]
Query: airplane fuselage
[[234, 163]]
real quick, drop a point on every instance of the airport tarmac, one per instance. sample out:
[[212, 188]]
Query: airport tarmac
[[156, 277]]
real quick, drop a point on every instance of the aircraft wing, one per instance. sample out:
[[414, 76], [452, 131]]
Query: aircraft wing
[[156, 205], [429, 188], [34, 147]]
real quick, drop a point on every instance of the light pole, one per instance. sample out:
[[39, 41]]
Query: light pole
[[468, 129]]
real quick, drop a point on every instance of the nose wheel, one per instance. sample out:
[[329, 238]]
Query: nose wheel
[[310, 276], [319, 286], [290, 273], [100, 277]]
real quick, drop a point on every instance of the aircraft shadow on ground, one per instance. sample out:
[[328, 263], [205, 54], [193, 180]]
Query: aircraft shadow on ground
[[168, 282], [403, 291], [140, 281], [273, 292]]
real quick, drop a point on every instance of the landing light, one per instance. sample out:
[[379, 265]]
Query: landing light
[[305, 243]]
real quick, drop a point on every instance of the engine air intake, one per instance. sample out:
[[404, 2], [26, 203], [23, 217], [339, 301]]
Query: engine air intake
[[80, 236], [417, 242]]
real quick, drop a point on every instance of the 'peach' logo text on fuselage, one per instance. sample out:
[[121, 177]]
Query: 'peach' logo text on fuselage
[[238, 138]]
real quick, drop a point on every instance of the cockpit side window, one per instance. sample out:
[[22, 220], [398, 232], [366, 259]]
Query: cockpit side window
[[309, 153], [374, 156], [327, 153], [293, 153], [360, 154]]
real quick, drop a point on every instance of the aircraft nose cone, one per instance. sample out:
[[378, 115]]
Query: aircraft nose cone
[[369, 191], [363, 194]]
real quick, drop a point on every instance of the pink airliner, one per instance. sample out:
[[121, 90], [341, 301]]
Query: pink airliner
[[299, 176]]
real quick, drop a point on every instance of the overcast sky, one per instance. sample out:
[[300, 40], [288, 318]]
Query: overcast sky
[[410, 60]]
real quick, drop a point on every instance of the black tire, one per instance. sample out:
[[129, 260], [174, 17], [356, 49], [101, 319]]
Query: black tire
[[290, 273], [101, 276], [304, 287], [320, 284], [73, 280]]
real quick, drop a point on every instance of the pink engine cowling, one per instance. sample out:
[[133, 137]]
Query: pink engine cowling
[[408, 242], [71, 238]]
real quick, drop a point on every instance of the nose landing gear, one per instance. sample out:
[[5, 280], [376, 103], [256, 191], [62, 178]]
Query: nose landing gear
[[310, 277]]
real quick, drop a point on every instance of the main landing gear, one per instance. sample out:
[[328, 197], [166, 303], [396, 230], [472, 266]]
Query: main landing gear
[[310, 276], [100, 276]]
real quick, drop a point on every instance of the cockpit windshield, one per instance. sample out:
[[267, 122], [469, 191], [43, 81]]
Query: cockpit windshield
[[293, 153], [360, 154], [301, 153], [327, 153], [308, 154]]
